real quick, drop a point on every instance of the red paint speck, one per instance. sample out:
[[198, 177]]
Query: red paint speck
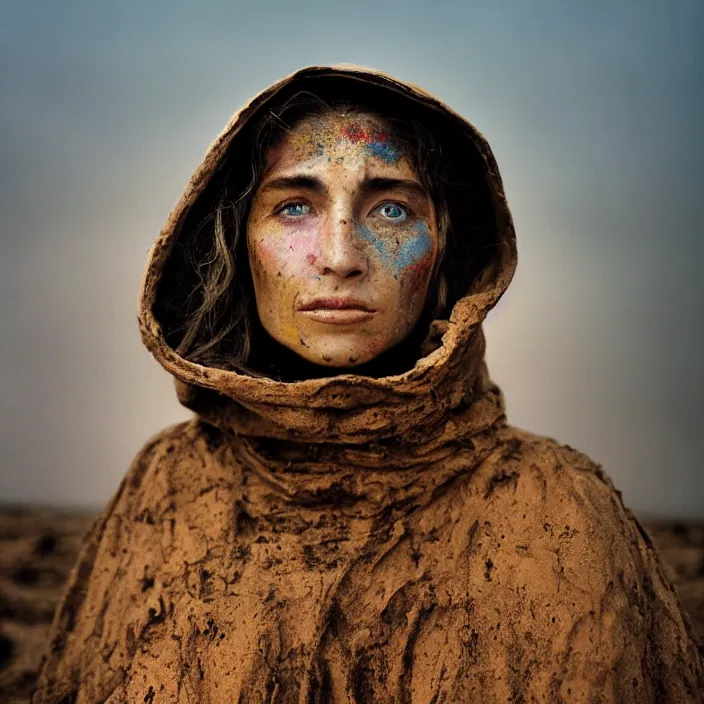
[[311, 259], [357, 133], [415, 274]]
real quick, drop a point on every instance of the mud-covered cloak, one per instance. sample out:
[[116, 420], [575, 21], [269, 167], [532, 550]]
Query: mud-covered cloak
[[354, 539]]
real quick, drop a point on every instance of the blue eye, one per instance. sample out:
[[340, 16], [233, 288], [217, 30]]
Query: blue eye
[[295, 209], [394, 212]]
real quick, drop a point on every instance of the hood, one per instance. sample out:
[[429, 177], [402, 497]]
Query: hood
[[447, 391]]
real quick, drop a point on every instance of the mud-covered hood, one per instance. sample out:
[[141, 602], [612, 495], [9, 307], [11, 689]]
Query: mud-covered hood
[[443, 385]]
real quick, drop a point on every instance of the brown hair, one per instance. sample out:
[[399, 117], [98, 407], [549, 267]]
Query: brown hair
[[213, 323]]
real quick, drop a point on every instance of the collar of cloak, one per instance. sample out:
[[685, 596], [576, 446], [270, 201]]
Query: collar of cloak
[[445, 397]]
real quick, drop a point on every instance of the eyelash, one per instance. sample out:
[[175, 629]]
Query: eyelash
[[279, 210], [403, 206]]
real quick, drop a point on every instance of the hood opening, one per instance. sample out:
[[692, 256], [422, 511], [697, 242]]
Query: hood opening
[[471, 241], [446, 393]]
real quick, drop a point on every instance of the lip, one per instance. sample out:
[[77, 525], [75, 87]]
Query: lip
[[338, 311], [337, 304]]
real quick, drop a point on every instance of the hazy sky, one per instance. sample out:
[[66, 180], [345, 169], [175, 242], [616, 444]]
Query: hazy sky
[[594, 111]]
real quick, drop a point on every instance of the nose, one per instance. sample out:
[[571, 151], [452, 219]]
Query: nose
[[342, 254]]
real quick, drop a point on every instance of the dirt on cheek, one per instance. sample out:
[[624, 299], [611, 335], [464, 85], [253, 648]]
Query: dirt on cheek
[[255, 264], [414, 284]]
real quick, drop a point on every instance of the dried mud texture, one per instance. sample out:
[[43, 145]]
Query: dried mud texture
[[38, 548], [354, 539], [486, 594]]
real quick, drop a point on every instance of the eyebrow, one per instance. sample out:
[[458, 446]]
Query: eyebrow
[[369, 185]]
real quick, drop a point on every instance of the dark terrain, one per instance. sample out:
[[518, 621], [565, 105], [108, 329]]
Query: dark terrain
[[38, 547]]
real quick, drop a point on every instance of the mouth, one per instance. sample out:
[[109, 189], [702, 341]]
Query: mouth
[[338, 311]]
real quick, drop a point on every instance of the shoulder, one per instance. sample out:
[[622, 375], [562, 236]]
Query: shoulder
[[131, 536], [96, 569], [167, 441], [560, 513], [166, 455], [552, 487], [558, 553]]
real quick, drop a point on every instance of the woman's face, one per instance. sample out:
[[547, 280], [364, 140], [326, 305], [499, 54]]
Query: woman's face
[[342, 240]]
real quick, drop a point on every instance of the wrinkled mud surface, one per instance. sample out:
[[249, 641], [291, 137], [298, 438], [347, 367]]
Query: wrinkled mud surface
[[39, 546]]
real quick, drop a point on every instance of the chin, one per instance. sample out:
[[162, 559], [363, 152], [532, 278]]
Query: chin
[[337, 353]]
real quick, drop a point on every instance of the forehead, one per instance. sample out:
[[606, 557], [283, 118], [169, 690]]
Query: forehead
[[356, 140]]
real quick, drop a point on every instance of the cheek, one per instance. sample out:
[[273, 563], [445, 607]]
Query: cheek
[[410, 260], [415, 259], [286, 255]]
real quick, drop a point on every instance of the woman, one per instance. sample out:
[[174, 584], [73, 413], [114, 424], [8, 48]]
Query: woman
[[349, 517]]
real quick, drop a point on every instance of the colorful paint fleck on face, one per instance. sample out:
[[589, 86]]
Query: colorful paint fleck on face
[[342, 240], [334, 141], [400, 257], [375, 142]]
